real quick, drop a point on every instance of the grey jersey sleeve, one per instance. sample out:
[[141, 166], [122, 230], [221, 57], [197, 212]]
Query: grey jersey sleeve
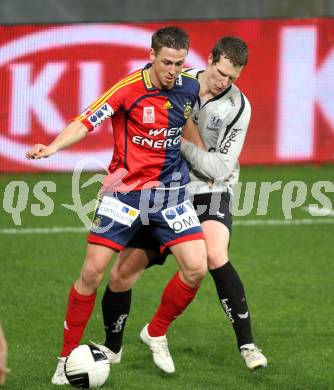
[[220, 162]]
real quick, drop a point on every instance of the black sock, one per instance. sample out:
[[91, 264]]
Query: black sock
[[232, 297], [115, 309]]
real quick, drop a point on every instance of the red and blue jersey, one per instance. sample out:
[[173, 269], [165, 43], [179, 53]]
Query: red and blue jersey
[[147, 125]]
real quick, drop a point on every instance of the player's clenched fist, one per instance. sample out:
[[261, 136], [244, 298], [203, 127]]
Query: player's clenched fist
[[40, 151]]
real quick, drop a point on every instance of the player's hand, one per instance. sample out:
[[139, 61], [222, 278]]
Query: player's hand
[[3, 372], [40, 151]]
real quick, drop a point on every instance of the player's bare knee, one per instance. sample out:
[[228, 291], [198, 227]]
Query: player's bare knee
[[119, 281], [91, 277], [193, 278], [217, 257], [194, 275]]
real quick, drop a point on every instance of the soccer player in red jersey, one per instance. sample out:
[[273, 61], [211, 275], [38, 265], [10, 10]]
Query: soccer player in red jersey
[[149, 109], [222, 113]]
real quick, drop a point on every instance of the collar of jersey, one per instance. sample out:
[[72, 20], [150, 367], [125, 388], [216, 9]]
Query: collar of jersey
[[148, 83]]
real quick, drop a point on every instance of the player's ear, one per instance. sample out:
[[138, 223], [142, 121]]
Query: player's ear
[[152, 56], [210, 59]]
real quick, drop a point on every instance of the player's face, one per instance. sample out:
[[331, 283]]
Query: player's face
[[166, 66], [221, 74]]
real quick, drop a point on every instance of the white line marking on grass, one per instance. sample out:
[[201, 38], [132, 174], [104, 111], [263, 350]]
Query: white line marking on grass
[[246, 222], [282, 222], [53, 230], [316, 211]]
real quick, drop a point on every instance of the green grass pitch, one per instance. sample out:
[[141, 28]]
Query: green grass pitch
[[287, 270]]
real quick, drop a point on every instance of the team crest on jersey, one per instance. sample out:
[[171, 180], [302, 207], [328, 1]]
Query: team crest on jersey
[[215, 122], [187, 110], [148, 115]]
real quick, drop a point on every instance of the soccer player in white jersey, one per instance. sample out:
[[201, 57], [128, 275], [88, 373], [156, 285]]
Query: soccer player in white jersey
[[222, 114]]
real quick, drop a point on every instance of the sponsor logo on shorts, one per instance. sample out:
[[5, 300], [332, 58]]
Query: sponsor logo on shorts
[[118, 211], [181, 217]]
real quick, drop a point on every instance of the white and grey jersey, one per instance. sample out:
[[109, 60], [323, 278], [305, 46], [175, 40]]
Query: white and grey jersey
[[222, 123]]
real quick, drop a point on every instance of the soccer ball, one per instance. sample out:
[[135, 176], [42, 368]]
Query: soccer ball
[[87, 366]]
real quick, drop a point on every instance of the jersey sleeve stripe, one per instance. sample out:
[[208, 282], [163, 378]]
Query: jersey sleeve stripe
[[121, 82], [115, 88], [235, 119], [99, 102]]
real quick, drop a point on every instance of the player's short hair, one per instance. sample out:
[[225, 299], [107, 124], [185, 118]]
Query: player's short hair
[[172, 37], [232, 48]]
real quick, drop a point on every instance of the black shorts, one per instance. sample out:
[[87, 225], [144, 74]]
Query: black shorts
[[214, 206], [209, 207], [145, 239]]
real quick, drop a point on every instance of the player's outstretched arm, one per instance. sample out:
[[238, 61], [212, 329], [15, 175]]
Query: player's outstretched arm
[[72, 134]]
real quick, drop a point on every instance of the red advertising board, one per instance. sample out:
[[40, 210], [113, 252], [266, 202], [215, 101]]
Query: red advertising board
[[50, 73]]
